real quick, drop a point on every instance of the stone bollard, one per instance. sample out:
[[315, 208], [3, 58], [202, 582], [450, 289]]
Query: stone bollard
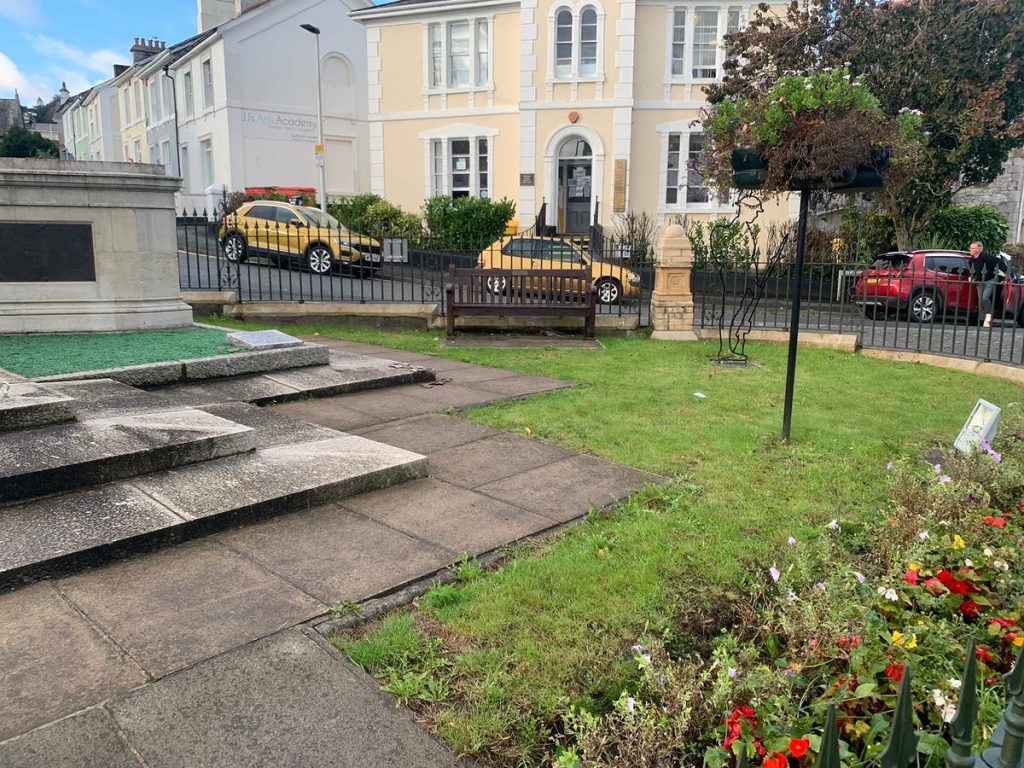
[[672, 302]]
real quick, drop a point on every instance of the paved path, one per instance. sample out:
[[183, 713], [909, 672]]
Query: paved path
[[203, 654]]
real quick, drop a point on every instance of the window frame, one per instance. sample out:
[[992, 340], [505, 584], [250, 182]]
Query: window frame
[[727, 13], [437, 55], [558, 72], [206, 75], [682, 204], [440, 155], [207, 169]]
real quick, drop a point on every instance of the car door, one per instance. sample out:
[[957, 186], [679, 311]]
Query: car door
[[292, 233], [951, 274], [561, 255], [260, 228]]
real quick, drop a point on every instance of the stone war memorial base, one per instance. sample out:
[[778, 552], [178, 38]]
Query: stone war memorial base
[[87, 246]]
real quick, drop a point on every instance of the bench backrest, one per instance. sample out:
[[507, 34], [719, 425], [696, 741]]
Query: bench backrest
[[520, 286]]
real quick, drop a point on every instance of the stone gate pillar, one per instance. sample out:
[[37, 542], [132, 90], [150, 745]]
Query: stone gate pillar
[[672, 302]]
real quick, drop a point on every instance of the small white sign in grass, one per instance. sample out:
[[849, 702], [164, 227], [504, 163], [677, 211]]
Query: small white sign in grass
[[981, 427]]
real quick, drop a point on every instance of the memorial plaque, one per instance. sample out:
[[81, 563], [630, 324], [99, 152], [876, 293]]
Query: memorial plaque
[[981, 427], [46, 253], [526, 179]]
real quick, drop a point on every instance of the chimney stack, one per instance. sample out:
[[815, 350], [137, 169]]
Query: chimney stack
[[144, 49]]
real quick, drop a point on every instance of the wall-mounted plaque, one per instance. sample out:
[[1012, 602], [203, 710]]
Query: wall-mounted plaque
[[526, 180], [46, 253]]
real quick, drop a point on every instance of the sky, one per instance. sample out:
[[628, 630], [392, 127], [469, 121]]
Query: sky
[[46, 42]]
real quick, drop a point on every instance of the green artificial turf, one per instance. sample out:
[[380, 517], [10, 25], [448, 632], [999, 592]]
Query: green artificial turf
[[35, 355]]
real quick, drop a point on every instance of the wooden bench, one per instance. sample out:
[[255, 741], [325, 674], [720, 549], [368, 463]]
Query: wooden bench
[[520, 293]]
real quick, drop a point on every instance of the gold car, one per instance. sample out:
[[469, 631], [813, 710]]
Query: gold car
[[612, 281], [293, 233]]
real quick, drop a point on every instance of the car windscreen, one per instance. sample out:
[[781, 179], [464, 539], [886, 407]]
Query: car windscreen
[[891, 261], [317, 218]]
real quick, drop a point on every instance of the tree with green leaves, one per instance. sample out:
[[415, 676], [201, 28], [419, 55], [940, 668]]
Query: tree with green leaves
[[957, 62], [18, 142]]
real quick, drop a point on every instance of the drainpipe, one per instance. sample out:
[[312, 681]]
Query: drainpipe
[[174, 101], [1020, 205]]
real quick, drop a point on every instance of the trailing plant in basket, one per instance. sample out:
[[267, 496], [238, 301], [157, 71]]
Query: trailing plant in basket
[[805, 132]]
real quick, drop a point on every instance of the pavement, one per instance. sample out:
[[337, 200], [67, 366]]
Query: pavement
[[205, 654]]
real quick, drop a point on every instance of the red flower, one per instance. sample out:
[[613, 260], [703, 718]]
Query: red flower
[[846, 642], [778, 760], [995, 522], [935, 586], [970, 609], [957, 586], [911, 578], [983, 655], [798, 747], [894, 672], [1004, 623]]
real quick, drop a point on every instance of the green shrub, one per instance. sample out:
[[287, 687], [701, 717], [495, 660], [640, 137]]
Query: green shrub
[[351, 211], [720, 242], [960, 225], [467, 223], [868, 232], [382, 219]]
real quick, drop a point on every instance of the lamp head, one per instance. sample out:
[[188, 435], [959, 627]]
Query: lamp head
[[310, 28]]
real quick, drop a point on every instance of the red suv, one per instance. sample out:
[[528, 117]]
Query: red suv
[[926, 285]]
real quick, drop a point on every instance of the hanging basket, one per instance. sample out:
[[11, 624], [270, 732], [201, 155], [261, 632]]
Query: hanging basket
[[746, 159]]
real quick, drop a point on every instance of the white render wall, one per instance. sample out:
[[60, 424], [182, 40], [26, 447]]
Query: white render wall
[[263, 127]]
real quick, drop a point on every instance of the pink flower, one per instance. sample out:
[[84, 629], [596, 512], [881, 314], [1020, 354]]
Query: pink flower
[[774, 573], [861, 578], [996, 456], [945, 479], [889, 465], [791, 541]]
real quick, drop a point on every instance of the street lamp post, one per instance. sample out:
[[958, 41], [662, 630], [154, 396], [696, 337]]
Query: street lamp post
[[321, 154]]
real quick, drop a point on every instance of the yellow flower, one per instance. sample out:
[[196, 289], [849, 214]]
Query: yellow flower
[[901, 640], [897, 638], [1018, 640], [912, 642], [915, 567], [958, 542]]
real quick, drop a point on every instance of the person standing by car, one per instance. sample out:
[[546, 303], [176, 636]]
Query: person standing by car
[[984, 273]]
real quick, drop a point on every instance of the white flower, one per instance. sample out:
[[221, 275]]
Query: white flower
[[631, 704], [968, 562], [834, 525], [890, 594], [937, 696], [1001, 565], [644, 661], [790, 597], [860, 577], [923, 536], [988, 552], [954, 683]]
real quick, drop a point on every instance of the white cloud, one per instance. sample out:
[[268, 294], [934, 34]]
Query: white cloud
[[28, 86], [24, 12], [99, 62]]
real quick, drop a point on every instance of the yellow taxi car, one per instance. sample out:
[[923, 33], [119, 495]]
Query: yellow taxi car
[[611, 281], [295, 234]]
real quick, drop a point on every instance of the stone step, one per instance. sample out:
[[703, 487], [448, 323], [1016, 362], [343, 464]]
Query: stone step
[[47, 460], [345, 374], [24, 404], [67, 532]]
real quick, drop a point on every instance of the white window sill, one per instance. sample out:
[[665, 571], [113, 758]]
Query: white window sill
[[489, 88], [555, 79], [678, 80], [697, 208]]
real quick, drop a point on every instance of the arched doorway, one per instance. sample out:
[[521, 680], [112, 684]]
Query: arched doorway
[[575, 185]]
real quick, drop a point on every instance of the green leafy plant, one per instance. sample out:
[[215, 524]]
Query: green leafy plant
[[721, 243], [467, 223], [960, 225], [345, 607], [468, 569]]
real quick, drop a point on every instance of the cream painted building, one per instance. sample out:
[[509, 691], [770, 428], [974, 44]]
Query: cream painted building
[[591, 106]]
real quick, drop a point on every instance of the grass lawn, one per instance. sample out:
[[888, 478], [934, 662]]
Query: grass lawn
[[34, 355], [493, 663]]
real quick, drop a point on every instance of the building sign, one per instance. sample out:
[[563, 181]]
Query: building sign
[[46, 253], [526, 180], [278, 126]]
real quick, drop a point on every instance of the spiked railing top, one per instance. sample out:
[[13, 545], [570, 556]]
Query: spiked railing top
[[902, 747]]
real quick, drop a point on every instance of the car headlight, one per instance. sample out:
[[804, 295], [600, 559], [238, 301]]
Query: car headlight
[[633, 279]]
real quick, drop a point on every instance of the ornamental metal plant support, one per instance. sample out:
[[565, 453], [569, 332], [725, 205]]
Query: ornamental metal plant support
[[750, 173]]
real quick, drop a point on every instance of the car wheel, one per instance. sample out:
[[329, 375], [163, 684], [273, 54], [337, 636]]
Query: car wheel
[[319, 259], [609, 291], [924, 307], [235, 248], [497, 285]]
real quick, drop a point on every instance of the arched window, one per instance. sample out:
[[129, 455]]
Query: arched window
[[588, 41], [563, 42]]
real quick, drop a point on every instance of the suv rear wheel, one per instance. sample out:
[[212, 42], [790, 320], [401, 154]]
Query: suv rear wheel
[[924, 307], [234, 248]]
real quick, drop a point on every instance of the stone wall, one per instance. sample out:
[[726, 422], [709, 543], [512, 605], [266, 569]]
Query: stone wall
[[1003, 194], [132, 280]]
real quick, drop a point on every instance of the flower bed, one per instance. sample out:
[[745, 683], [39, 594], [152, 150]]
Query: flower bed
[[841, 622]]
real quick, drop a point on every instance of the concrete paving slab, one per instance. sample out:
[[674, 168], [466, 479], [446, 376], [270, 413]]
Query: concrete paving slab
[[333, 553], [54, 662], [565, 489], [53, 534], [86, 740], [451, 395], [24, 404], [428, 434], [522, 385], [391, 404], [328, 412], [272, 427], [255, 362], [182, 605], [284, 478], [452, 517], [260, 340], [286, 702], [492, 458], [328, 380], [65, 456], [101, 398], [462, 373]]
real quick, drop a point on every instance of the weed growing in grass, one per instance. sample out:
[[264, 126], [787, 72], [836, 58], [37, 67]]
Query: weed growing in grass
[[345, 607], [468, 569]]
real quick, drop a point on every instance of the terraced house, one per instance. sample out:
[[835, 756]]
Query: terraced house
[[590, 106]]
